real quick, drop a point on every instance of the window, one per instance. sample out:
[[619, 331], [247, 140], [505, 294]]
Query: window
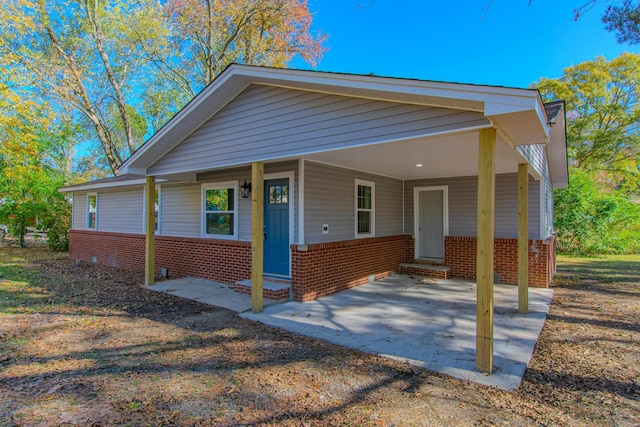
[[156, 211], [220, 205], [278, 194], [92, 210], [365, 208]]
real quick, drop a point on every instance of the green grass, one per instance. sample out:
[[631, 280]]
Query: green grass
[[18, 279], [602, 268]]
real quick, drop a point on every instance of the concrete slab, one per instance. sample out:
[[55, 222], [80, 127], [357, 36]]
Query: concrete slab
[[208, 292], [426, 323]]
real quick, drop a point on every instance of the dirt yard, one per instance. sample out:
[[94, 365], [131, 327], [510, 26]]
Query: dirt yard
[[84, 345]]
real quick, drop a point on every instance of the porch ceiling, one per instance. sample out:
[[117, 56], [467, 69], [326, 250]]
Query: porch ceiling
[[440, 156]]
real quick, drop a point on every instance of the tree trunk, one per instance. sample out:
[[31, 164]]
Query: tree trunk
[[98, 36]]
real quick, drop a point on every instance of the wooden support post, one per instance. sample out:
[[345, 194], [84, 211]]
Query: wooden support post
[[257, 235], [523, 238], [484, 266], [150, 233]]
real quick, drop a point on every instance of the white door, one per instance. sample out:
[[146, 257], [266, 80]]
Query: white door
[[430, 223]]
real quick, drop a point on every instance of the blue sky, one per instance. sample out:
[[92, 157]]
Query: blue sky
[[510, 44]]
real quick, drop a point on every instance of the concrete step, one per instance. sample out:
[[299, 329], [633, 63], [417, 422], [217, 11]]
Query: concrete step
[[428, 270], [270, 290]]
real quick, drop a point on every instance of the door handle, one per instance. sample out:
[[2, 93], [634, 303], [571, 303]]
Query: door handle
[[265, 236]]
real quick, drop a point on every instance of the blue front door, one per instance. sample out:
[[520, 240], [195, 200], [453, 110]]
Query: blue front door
[[276, 226]]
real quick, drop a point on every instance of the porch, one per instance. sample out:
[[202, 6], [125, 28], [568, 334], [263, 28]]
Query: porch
[[410, 132], [428, 323], [425, 322]]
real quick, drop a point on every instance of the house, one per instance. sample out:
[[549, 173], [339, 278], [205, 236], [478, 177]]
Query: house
[[321, 181]]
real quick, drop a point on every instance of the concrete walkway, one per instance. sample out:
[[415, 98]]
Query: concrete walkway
[[208, 292], [429, 324]]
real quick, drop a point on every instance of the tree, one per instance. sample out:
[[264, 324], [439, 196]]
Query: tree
[[621, 18], [603, 116], [72, 52], [593, 219], [28, 177], [600, 211], [211, 34], [624, 21], [121, 68]]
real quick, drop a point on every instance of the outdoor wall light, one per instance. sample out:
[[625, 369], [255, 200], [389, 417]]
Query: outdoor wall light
[[245, 190]]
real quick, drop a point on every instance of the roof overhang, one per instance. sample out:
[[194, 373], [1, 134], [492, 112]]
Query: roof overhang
[[557, 150], [104, 184], [518, 114]]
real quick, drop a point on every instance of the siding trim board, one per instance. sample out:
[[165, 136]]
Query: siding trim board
[[301, 202]]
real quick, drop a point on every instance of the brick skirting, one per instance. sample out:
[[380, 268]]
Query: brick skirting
[[460, 256], [414, 271], [277, 295], [317, 269], [225, 261], [325, 268]]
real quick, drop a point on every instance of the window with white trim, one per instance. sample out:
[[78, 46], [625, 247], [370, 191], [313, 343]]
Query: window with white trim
[[156, 210], [92, 210], [219, 210], [364, 208]]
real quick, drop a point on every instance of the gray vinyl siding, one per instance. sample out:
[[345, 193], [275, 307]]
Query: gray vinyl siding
[[266, 122], [463, 205], [538, 159], [180, 210], [79, 210], [536, 156], [329, 199], [244, 205], [121, 210]]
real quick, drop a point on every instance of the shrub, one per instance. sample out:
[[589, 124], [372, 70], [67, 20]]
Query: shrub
[[590, 219], [57, 221]]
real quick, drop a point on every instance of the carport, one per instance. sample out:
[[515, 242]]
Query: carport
[[394, 128], [425, 322]]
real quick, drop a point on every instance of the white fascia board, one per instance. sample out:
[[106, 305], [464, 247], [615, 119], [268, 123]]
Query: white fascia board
[[557, 153], [131, 170], [544, 120], [103, 185], [520, 126], [388, 88]]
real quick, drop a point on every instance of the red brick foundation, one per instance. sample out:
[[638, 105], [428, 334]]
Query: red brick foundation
[[460, 257], [325, 268], [436, 274], [225, 261], [278, 295], [317, 269]]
